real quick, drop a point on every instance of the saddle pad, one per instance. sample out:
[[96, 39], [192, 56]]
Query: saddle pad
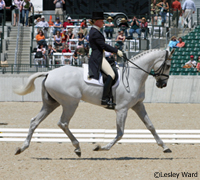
[[97, 82]]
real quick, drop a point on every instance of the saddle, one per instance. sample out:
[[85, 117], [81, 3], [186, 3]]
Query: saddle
[[102, 77]]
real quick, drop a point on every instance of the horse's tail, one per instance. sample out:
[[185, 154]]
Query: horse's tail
[[29, 86]]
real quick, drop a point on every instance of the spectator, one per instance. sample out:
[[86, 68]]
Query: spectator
[[124, 26], [68, 23], [120, 40], [70, 34], [198, 64], [144, 27], [81, 52], [43, 50], [163, 6], [58, 41], [40, 38], [188, 8], [191, 63], [87, 44], [118, 33], [75, 57], [81, 38], [154, 12], [176, 6], [180, 43], [135, 27], [43, 24], [57, 26], [66, 58], [51, 50], [17, 3], [83, 27], [59, 8], [109, 28], [36, 21], [64, 36], [173, 42], [66, 49], [25, 7]]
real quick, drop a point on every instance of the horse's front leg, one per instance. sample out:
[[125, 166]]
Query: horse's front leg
[[120, 121], [141, 112]]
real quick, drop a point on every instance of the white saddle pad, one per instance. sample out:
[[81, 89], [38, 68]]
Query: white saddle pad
[[97, 82]]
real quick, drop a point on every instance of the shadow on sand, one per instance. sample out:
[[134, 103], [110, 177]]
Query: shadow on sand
[[109, 159]]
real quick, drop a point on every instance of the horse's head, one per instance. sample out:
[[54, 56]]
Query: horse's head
[[162, 69]]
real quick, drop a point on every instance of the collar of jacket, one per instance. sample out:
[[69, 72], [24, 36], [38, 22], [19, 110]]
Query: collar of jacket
[[96, 27]]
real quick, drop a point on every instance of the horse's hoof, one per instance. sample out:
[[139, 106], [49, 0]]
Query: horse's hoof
[[97, 148], [78, 152], [18, 151], [167, 150]]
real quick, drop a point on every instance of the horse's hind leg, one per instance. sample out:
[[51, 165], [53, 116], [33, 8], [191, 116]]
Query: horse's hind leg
[[49, 104], [141, 112], [68, 112]]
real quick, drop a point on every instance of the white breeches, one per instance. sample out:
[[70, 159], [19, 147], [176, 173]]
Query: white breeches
[[106, 68]]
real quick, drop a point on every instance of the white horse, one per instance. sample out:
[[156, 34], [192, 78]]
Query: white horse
[[65, 86]]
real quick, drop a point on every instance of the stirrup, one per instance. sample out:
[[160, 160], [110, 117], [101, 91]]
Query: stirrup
[[109, 102]]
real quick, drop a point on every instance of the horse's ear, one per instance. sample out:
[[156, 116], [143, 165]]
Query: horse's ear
[[171, 53]]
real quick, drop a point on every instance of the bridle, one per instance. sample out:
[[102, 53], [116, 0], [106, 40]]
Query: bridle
[[158, 72]]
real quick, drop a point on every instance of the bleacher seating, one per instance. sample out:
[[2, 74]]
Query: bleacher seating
[[182, 55]]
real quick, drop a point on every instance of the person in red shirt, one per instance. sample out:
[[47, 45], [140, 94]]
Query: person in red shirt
[[84, 27], [180, 43], [68, 23], [64, 36], [176, 6], [66, 50]]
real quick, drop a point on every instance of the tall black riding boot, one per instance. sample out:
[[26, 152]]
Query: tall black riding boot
[[106, 92]]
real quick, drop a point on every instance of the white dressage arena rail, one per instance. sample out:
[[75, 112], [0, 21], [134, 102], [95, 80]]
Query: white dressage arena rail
[[100, 135]]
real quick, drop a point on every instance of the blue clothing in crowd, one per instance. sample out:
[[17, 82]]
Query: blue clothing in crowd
[[173, 44], [189, 4]]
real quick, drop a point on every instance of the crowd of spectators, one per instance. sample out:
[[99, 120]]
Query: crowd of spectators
[[161, 8], [63, 34]]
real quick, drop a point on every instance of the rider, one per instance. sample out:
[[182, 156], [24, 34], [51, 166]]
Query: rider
[[97, 59]]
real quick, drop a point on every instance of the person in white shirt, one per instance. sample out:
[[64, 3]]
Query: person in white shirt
[[188, 8], [191, 63], [44, 25]]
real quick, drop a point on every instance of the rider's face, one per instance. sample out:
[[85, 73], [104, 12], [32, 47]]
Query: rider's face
[[99, 23]]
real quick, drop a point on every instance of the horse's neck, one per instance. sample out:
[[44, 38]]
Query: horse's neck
[[145, 62]]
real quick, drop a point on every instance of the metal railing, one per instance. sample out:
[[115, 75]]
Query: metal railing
[[25, 68]]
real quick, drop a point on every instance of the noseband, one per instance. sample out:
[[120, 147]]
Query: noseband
[[158, 72]]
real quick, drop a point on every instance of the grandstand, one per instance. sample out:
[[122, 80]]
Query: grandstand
[[22, 59], [182, 55]]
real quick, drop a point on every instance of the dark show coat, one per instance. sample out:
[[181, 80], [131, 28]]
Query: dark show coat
[[98, 45]]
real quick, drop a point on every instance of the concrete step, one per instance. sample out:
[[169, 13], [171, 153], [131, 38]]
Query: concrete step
[[27, 38], [19, 46], [10, 50], [22, 54], [21, 43]]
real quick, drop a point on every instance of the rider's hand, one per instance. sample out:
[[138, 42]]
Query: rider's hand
[[120, 53]]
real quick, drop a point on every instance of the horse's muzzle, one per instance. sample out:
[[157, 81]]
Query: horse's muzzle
[[161, 84]]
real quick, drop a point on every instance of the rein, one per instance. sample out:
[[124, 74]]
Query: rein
[[158, 72]]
